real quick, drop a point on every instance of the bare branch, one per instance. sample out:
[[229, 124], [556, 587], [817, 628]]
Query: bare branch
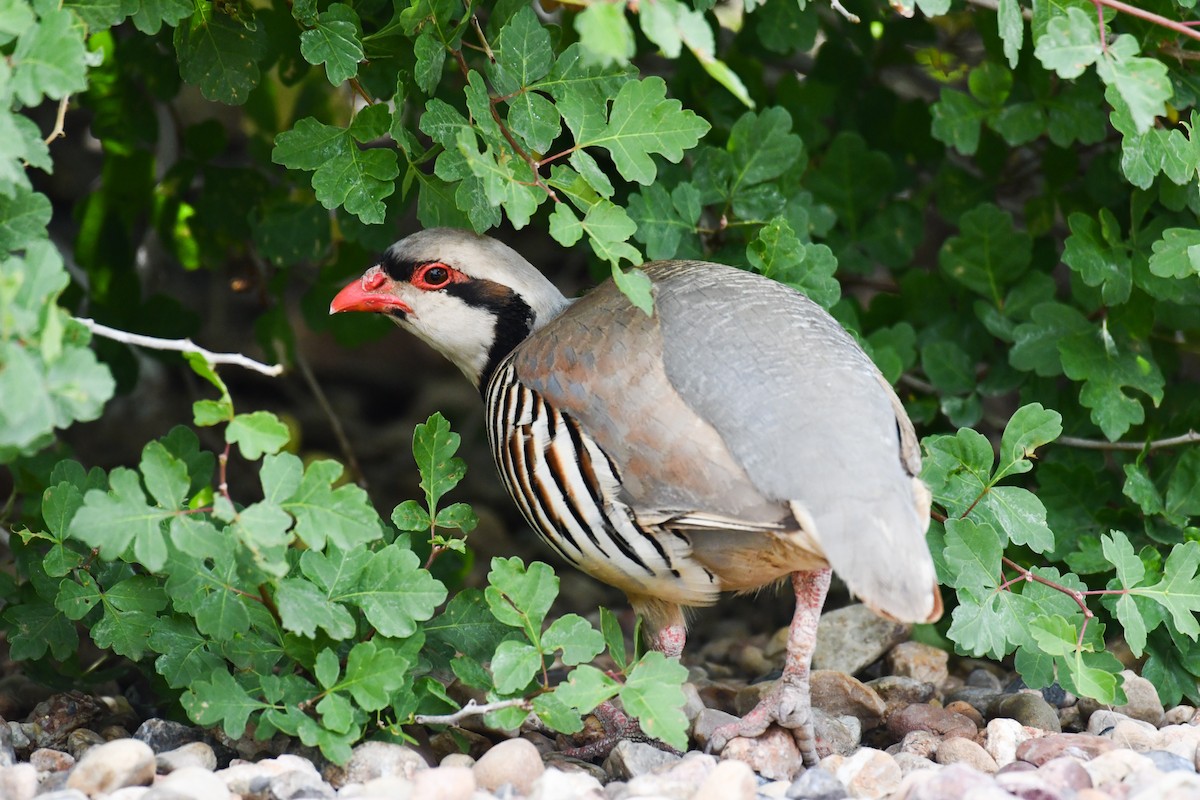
[[841, 9], [1149, 16], [1191, 437], [179, 345], [60, 129], [471, 709], [339, 432]]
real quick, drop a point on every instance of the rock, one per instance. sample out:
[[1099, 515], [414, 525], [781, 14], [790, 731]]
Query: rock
[[1179, 715], [977, 697], [838, 694], [111, 766], [254, 778], [680, 781], [1172, 786], [773, 790], [444, 783], [967, 710], [693, 704], [774, 754], [870, 773], [371, 760], [1029, 785], [1141, 699], [80, 740], [1002, 738], [850, 638], [1165, 761], [910, 762], [898, 692], [731, 780], [930, 718], [952, 783], [57, 716], [46, 760], [630, 759], [554, 784], [63, 794], [194, 754], [299, 784], [18, 782], [1065, 774], [565, 763], [1102, 721], [163, 734], [959, 750], [921, 661], [817, 784], [457, 760], [1083, 746], [1109, 769], [513, 761], [921, 743], [1134, 734], [981, 678], [8, 754], [1058, 697], [1027, 708], [1182, 740], [836, 734], [708, 721], [193, 782]]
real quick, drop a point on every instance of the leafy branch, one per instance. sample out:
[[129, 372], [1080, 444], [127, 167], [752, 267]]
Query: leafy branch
[[180, 346]]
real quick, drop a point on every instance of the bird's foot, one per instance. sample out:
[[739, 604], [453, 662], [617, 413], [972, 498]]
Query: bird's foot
[[617, 726], [787, 704]]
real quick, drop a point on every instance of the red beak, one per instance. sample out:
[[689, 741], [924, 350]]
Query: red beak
[[371, 292]]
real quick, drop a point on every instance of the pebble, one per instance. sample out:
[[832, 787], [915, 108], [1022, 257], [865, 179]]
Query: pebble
[[555, 784], [46, 760], [959, 750], [836, 734], [1181, 715], [111, 766], [774, 755], [839, 694], [967, 710], [196, 783], [817, 784], [898, 692], [513, 761], [1142, 701], [730, 780], [923, 662], [1065, 774], [1165, 761], [708, 721], [925, 717], [850, 638], [1079, 745], [445, 783], [869, 773], [371, 760], [1136, 735], [18, 782], [630, 759], [193, 754], [1027, 708], [1001, 739], [164, 734]]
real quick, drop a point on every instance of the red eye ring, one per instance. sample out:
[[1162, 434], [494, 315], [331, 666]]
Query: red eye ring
[[436, 275]]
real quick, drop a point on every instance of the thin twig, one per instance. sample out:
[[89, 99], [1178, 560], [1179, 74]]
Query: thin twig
[[841, 9], [179, 345], [335, 422], [1149, 16], [60, 129], [1191, 437], [471, 709]]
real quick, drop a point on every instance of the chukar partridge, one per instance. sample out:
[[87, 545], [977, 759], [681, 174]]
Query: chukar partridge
[[736, 437]]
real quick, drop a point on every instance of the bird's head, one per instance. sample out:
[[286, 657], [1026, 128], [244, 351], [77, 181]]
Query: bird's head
[[470, 297]]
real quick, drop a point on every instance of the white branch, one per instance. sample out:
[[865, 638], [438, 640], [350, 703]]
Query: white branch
[[845, 12], [179, 345], [60, 121], [469, 710], [1191, 437]]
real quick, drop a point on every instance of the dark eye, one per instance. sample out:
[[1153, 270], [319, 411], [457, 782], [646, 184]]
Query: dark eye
[[434, 276]]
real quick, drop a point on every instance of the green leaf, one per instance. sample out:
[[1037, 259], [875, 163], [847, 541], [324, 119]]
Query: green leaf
[[459, 516], [186, 657], [374, 671], [410, 516], [556, 714], [989, 254], [520, 597], [1106, 366], [396, 593], [654, 694], [334, 41], [514, 666], [1095, 251], [468, 626], [431, 58], [257, 433], [1179, 590], [220, 54], [50, 58], [665, 219], [1176, 254], [635, 285], [957, 119], [221, 699], [576, 637], [113, 521], [585, 688], [605, 34], [1070, 44], [1183, 490], [1028, 429], [522, 51], [153, 14], [972, 555], [988, 623], [343, 515], [434, 446], [303, 608], [1142, 82], [642, 122], [808, 268], [1012, 29], [35, 628]]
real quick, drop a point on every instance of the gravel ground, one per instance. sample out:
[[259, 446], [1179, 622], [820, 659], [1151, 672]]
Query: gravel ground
[[913, 724]]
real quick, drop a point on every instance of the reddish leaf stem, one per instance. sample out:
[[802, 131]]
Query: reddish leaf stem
[[1148, 16]]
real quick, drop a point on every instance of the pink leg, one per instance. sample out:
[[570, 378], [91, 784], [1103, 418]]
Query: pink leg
[[788, 704]]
